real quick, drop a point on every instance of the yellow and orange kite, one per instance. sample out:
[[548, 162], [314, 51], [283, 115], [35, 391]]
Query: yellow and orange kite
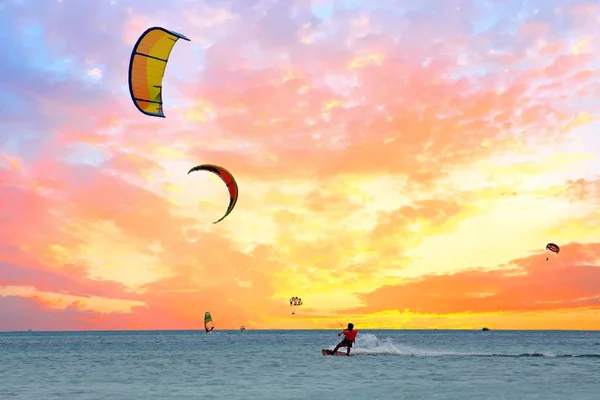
[[147, 67]]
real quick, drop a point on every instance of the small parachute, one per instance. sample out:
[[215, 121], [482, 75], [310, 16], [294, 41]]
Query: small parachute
[[295, 302], [553, 248], [208, 322], [229, 181], [147, 67]]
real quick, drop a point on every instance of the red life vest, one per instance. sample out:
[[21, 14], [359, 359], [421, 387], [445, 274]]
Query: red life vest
[[351, 335]]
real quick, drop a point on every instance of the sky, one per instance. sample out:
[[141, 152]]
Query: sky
[[401, 165]]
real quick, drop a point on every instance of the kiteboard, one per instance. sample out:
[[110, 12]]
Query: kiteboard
[[327, 352]]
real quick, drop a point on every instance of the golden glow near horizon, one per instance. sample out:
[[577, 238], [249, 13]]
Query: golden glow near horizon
[[385, 177]]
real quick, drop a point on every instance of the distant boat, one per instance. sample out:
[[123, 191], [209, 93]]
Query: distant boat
[[485, 329], [242, 328]]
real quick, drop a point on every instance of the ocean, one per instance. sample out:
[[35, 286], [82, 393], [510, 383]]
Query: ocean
[[461, 365]]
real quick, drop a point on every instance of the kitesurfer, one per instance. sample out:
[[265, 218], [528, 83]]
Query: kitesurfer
[[348, 341]]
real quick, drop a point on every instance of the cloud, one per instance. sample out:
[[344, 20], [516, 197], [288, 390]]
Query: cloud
[[569, 280], [18, 313], [375, 146]]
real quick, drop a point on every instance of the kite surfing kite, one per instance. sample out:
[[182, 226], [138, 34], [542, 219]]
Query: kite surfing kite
[[208, 323], [553, 248], [227, 178], [295, 302], [147, 67]]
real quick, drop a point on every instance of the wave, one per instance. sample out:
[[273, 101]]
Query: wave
[[369, 345]]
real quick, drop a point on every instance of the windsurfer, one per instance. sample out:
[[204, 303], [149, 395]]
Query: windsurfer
[[348, 341], [208, 323]]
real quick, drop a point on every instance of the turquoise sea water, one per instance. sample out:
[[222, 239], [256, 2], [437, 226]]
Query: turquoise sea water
[[435, 365]]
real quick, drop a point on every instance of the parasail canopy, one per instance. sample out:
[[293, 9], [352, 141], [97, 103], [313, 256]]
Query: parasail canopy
[[553, 248], [147, 67], [295, 301]]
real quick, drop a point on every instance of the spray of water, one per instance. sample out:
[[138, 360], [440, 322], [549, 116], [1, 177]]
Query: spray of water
[[369, 344]]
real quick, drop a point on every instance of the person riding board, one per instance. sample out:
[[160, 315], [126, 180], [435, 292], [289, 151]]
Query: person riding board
[[348, 341]]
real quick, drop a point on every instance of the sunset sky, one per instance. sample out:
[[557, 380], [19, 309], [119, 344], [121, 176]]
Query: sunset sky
[[401, 164]]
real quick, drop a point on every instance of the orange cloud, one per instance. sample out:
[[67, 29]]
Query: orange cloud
[[569, 280]]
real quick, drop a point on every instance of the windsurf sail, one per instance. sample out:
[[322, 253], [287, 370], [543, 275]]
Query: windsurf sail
[[208, 322]]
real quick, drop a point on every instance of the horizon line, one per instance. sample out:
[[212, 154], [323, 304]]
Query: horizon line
[[285, 330]]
